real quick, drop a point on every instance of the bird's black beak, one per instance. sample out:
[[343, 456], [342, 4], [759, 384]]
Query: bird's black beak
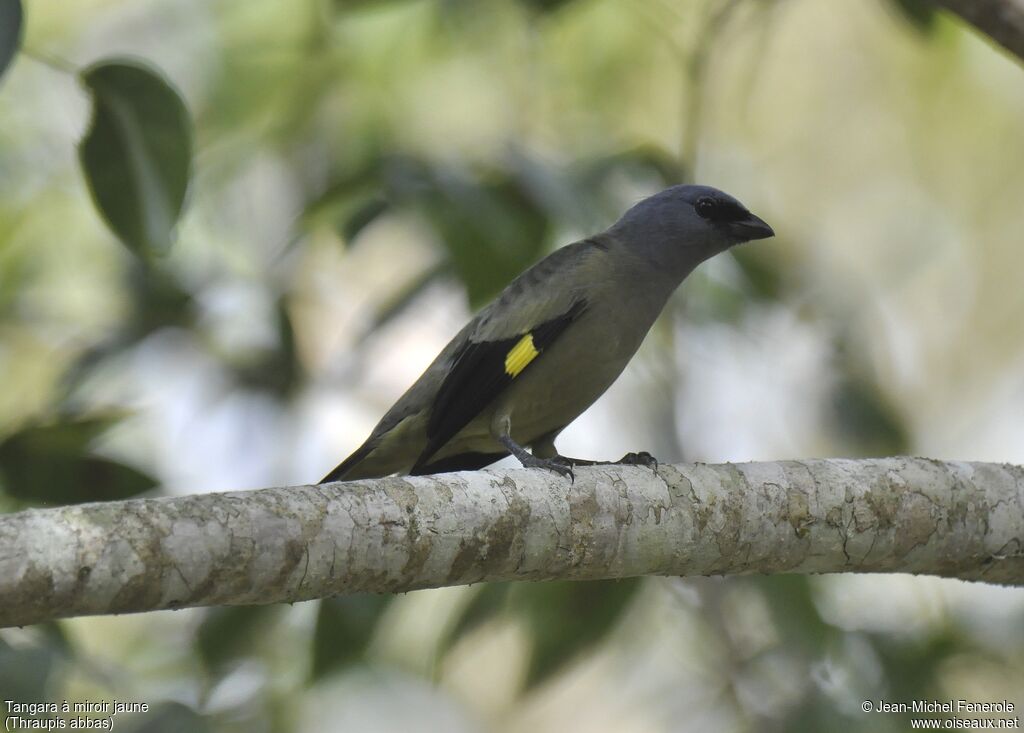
[[752, 227]]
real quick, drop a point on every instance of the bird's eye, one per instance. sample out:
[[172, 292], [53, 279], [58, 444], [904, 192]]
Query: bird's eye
[[720, 211], [705, 206]]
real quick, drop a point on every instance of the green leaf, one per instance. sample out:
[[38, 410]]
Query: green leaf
[[568, 618], [11, 24], [137, 153], [344, 627], [228, 632], [51, 464]]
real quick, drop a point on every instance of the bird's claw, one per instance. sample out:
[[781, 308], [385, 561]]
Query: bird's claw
[[558, 464], [643, 458]]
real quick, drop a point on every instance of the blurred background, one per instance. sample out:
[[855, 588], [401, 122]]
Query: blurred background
[[365, 174]]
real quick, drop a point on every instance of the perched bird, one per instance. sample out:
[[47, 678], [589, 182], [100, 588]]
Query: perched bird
[[552, 342]]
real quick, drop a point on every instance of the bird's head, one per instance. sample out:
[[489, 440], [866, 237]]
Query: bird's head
[[682, 226]]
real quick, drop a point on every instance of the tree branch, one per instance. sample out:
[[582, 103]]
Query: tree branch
[[1000, 20], [963, 520]]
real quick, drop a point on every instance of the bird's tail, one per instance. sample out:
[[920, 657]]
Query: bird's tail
[[357, 467], [341, 471]]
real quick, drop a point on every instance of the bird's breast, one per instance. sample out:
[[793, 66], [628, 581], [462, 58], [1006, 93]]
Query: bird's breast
[[572, 374]]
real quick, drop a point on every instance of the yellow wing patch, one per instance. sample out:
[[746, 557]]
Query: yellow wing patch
[[520, 355]]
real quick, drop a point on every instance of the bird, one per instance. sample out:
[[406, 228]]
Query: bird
[[551, 343]]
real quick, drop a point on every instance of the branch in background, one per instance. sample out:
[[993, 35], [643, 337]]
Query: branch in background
[[1001, 20], [962, 520]]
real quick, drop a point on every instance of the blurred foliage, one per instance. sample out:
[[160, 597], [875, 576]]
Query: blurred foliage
[[487, 603], [865, 416], [168, 717], [491, 229], [795, 614], [26, 673], [921, 14], [11, 17], [344, 628], [913, 666], [229, 633], [47, 464], [491, 222], [276, 370], [376, 152], [563, 619], [546, 6]]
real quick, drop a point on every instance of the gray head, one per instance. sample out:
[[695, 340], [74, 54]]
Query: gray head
[[682, 226]]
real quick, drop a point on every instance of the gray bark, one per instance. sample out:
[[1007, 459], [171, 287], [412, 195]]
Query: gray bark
[[914, 515], [1000, 20]]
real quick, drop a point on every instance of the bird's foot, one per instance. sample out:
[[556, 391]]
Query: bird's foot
[[558, 464], [577, 461], [643, 458]]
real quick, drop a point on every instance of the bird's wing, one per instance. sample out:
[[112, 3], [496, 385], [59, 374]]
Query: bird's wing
[[488, 353], [481, 371], [506, 339]]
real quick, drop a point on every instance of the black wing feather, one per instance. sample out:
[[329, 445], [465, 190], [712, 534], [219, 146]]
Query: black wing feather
[[338, 474], [478, 376]]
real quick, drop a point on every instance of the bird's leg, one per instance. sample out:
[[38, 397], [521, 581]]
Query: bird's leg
[[525, 457], [531, 461], [545, 448]]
